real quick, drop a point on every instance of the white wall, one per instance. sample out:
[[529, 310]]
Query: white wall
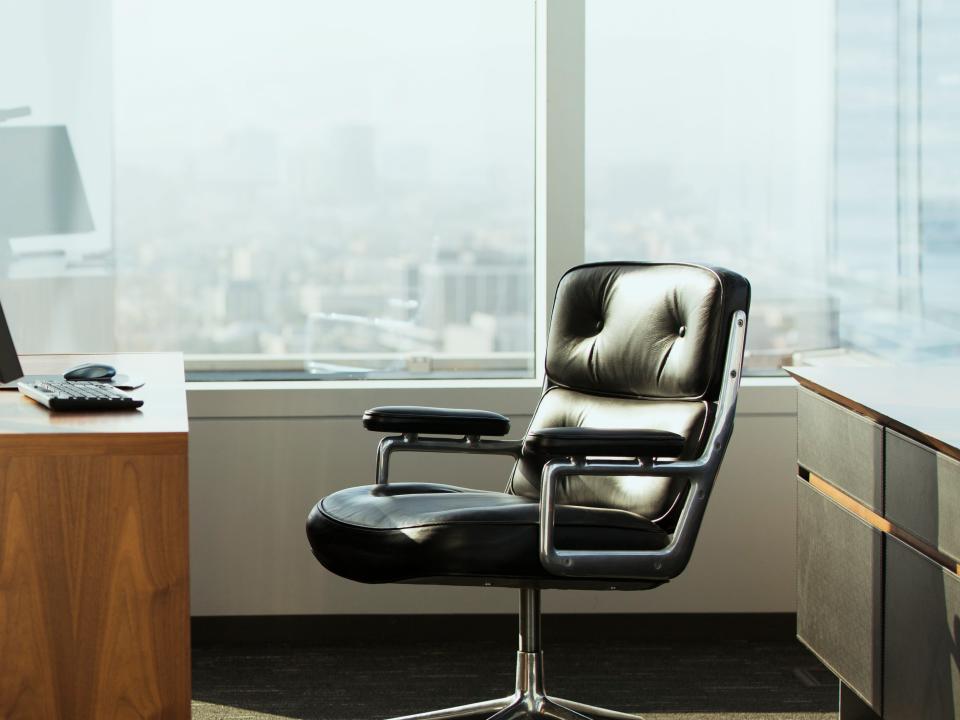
[[255, 475]]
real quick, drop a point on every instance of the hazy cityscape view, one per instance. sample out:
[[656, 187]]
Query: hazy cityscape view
[[894, 252], [351, 185], [708, 133], [336, 183], [818, 154], [249, 259]]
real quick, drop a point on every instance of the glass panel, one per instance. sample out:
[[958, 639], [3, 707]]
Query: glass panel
[[940, 162], [865, 256], [56, 264], [865, 249], [359, 172], [708, 128], [896, 255]]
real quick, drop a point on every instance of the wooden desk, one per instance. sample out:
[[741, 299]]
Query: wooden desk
[[878, 537], [94, 579]]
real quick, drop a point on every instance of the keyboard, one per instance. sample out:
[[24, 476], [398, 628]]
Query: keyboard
[[78, 395]]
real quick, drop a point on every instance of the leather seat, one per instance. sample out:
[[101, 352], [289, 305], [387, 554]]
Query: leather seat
[[409, 531]]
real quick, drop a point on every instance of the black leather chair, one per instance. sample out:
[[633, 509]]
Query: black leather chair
[[610, 482]]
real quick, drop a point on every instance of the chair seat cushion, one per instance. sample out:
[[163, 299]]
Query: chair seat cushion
[[411, 531]]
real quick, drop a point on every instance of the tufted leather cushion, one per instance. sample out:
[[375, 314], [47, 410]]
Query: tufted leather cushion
[[650, 497], [643, 330], [406, 531]]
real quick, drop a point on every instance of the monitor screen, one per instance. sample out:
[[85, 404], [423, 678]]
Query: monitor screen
[[10, 369], [40, 188]]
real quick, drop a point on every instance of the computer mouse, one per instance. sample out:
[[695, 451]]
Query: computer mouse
[[90, 371]]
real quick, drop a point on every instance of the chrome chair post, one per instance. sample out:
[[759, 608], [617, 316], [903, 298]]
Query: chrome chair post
[[529, 700], [529, 620]]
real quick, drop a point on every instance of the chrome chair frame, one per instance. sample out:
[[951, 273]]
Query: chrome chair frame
[[413, 442], [701, 473], [529, 699]]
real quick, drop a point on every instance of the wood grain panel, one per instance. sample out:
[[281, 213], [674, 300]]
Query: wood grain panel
[[83, 444], [94, 600]]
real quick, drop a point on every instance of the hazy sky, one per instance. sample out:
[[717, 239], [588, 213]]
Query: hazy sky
[[455, 74]]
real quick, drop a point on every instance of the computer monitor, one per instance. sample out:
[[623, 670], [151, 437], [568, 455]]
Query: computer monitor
[[11, 373], [41, 192], [10, 370]]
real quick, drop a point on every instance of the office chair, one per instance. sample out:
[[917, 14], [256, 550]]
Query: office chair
[[610, 482]]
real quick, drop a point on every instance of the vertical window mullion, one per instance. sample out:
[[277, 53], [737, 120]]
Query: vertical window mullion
[[560, 112]]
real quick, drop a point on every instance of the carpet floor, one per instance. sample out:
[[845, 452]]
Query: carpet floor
[[755, 680]]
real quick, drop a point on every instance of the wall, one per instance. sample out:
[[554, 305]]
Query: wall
[[258, 466]]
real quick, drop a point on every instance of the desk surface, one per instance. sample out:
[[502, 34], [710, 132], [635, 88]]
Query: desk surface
[[164, 404], [920, 402]]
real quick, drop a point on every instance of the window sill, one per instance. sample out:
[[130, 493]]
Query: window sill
[[349, 398]]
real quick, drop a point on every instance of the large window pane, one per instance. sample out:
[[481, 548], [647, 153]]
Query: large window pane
[[708, 139], [56, 264], [359, 174], [939, 118], [896, 255]]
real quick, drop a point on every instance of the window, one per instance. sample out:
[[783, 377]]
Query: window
[[346, 190], [814, 147], [56, 266], [359, 175], [895, 256], [707, 139]]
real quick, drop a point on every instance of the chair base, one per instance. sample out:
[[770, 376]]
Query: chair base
[[528, 701]]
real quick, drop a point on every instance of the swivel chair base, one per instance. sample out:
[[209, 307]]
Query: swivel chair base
[[529, 699]]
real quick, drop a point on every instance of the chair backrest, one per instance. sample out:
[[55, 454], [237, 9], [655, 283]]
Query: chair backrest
[[634, 346]]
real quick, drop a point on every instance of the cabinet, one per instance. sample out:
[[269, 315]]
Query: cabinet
[[878, 537]]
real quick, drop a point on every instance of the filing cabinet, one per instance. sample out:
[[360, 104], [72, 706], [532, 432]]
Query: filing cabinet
[[923, 493], [842, 447], [921, 676], [878, 537], [839, 584]]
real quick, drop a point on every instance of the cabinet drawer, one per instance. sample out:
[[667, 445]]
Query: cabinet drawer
[[839, 581], [842, 447], [922, 492], [920, 676]]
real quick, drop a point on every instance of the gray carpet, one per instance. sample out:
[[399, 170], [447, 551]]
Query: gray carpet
[[757, 680]]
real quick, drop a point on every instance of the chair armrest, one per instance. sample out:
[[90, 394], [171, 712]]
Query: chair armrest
[[433, 420], [582, 441]]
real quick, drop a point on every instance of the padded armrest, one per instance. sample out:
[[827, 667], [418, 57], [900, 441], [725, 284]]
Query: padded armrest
[[580, 441], [432, 420]]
